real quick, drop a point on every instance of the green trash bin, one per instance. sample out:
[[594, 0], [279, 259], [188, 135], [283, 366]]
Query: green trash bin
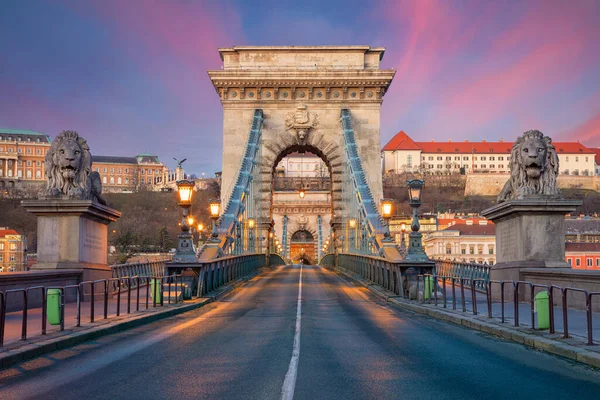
[[428, 289], [53, 306], [155, 290], [542, 310]]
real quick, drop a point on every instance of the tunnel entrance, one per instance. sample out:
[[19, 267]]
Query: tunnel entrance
[[302, 247]]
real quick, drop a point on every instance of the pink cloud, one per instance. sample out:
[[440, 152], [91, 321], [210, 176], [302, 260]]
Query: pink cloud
[[588, 132], [470, 69]]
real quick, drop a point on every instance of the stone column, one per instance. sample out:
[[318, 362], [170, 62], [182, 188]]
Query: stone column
[[529, 234], [72, 234]]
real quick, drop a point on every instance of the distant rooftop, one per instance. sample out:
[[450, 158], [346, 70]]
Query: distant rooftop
[[23, 135], [114, 159]]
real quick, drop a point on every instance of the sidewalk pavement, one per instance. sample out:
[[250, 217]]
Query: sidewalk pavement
[[16, 350], [577, 319], [574, 348]]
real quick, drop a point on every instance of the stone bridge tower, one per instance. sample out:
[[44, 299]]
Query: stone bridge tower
[[301, 91]]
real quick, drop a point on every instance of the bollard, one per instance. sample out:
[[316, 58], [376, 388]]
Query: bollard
[[428, 287], [155, 291], [53, 306], [542, 310]]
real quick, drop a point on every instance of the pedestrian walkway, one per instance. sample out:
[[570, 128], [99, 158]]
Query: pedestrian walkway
[[577, 319], [14, 320]]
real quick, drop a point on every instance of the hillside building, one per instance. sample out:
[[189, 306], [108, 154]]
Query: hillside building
[[13, 250], [403, 154]]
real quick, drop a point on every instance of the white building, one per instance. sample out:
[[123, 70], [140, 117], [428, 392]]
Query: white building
[[304, 165], [597, 161], [402, 154], [464, 242]]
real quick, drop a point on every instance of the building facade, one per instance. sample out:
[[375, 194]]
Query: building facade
[[402, 154], [128, 174], [13, 250], [464, 242], [583, 255], [22, 155]]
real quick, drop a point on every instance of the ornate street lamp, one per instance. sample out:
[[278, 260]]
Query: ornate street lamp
[[214, 208], [386, 213], [185, 246], [351, 234], [415, 251], [251, 223], [200, 229], [403, 241]]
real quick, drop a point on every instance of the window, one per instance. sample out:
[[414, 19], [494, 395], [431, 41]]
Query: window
[[37, 163], [500, 158], [482, 158], [28, 163], [576, 159], [119, 170], [127, 181], [492, 158], [38, 174], [463, 250], [19, 150], [143, 171], [112, 170], [440, 158], [13, 246], [471, 249], [456, 158], [589, 262], [119, 181], [20, 173], [112, 180], [1, 246], [28, 151], [408, 161], [491, 249], [598, 262], [500, 165], [448, 158], [126, 170], [483, 166], [480, 249], [448, 248], [440, 166], [430, 158], [577, 262], [1, 172], [466, 158], [570, 262], [586, 159], [12, 257], [38, 151], [567, 158], [1, 258], [28, 174], [103, 179], [104, 170]]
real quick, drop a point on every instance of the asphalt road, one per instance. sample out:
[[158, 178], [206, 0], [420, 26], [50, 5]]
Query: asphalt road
[[350, 346]]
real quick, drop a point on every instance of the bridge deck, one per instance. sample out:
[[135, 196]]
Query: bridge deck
[[351, 345]]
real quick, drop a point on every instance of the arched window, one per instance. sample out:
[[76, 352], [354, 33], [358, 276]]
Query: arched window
[[112, 180], [119, 181], [38, 174], [103, 179], [29, 174], [448, 248]]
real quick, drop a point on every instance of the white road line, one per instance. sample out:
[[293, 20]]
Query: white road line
[[289, 384]]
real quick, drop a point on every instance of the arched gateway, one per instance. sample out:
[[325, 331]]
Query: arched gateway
[[291, 99]]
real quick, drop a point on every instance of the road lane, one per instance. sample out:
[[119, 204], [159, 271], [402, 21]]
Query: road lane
[[352, 346]]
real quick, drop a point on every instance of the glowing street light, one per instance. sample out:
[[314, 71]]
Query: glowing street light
[[185, 246], [386, 213], [415, 251], [214, 208]]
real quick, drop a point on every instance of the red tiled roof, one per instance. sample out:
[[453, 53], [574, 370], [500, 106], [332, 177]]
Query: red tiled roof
[[4, 232], [579, 247], [401, 142], [597, 156], [461, 221], [473, 230]]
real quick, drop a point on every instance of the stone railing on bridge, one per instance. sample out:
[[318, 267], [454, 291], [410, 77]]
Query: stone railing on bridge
[[457, 269], [143, 268]]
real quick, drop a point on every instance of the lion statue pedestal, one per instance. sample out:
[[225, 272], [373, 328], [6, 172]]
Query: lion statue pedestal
[[530, 213], [73, 218]]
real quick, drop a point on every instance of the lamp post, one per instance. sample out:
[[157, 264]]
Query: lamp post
[[185, 243], [415, 251], [251, 223], [402, 241], [351, 234], [200, 229], [214, 207], [386, 213]]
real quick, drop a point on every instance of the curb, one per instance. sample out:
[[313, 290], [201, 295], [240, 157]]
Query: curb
[[575, 353], [74, 337]]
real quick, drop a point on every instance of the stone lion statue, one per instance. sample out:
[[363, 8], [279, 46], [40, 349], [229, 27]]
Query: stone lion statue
[[68, 166], [533, 168]]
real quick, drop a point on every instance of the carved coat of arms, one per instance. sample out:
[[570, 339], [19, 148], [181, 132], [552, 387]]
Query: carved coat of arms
[[301, 121]]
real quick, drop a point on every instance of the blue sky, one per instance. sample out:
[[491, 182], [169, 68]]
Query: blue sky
[[130, 76]]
